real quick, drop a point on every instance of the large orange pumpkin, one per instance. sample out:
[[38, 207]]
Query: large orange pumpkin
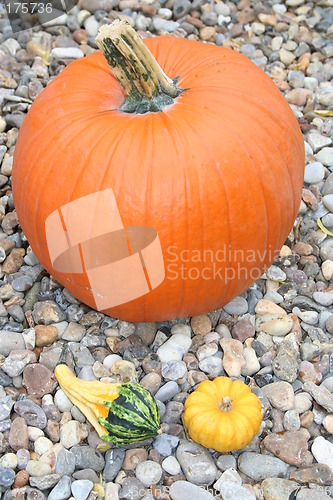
[[172, 212]]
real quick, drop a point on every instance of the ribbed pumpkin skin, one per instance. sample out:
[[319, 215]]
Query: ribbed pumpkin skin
[[220, 169], [222, 431]]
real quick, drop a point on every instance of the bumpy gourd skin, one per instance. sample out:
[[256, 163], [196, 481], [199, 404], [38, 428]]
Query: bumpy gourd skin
[[223, 431], [121, 413]]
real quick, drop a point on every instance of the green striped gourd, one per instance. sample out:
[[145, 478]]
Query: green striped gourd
[[122, 414]]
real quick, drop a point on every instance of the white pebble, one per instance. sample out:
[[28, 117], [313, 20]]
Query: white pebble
[[314, 172], [9, 460], [148, 472], [34, 433], [38, 469], [72, 433], [174, 348], [327, 269], [181, 328], [91, 25], [42, 444], [322, 450], [325, 156], [111, 360], [328, 202], [62, 402], [67, 53], [171, 466]]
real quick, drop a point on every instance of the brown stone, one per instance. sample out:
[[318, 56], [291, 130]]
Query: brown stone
[[21, 479], [201, 324], [318, 474], [112, 343], [81, 36], [168, 480], [146, 332], [45, 335], [208, 33], [267, 19], [191, 361], [298, 96], [18, 434], [243, 330], [151, 363], [194, 21], [147, 9], [131, 341], [309, 198], [53, 431], [246, 15], [134, 457], [302, 248], [39, 380], [155, 456], [277, 417], [307, 419], [291, 447], [9, 222], [7, 245], [304, 62], [14, 261]]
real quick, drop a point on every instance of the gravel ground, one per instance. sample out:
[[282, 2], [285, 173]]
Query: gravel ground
[[47, 449]]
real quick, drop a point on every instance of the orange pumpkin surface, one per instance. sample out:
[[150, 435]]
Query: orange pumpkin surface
[[217, 174]]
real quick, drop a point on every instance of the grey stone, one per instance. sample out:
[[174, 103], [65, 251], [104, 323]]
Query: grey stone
[[113, 461], [86, 474], [173, 370], [88, 458], [47, 312], [44, 482], [132, 489], [10, 341], [65, 464], [259, 467], [167, 391], [33, 414], [6, 405], [23, 457], [7, 477], [225, 462], [82, 355], [165, 444], [238, 306], [187, 491], [22, 283], [81, 489], [62, 491], [17, 360], [196, 463], [320, 394]]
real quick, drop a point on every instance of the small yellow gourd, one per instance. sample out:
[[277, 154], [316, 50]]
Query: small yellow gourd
[[222, 414]]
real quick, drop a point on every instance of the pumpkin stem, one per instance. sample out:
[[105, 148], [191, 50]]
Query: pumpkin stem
[[225, 404], [147, 88]]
